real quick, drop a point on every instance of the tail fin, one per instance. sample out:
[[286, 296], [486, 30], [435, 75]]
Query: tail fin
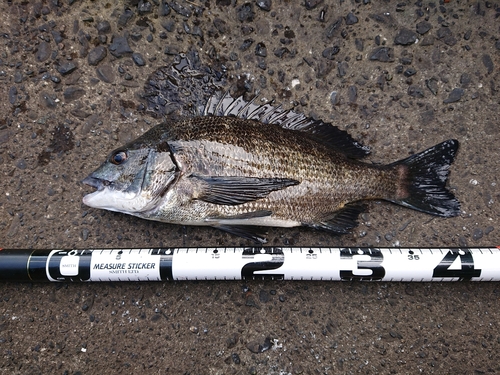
[[422, 185]]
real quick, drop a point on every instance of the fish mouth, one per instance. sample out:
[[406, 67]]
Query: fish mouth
[[96, 183]]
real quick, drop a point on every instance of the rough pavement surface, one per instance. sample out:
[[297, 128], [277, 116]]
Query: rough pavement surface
[[400, 76]]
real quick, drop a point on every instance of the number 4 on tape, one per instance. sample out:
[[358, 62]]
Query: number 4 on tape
[[466, 270]]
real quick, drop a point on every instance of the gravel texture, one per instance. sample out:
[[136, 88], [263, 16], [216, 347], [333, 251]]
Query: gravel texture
[[400, 76]]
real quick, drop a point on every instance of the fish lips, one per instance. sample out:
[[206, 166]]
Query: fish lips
[[96, 183]]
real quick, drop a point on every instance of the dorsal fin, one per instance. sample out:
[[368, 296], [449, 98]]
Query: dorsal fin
[[325, 133]]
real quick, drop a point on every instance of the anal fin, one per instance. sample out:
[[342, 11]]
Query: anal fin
[[343, 220]]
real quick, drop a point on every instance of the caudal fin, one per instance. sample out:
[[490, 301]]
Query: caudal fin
[[422, 185]]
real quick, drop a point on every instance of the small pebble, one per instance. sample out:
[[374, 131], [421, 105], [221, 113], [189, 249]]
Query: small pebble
[[423, 27], [263, 296], [250, 301], [280, 52], [333, 27], [221, 26], [171, 50], [245, 13], [119, 46], [330, 52], [432, 85], [168, 25], [18, 77], [342, 68], [455, 95], [21, 164], [351, 19], [477, 234], [96, 55], [246, 44], [43, 52], [138, 59], [103, 27], [125, 17], [405, 37], [254, 347], [383, 54], [427, 41], [232, 340], [488, 63], [395, 334], [163, 9], [144, 7], [264, 5], [311, 4], [445, 34], [13, 95], [105, 73], [47, 100], [180, 9], [359, 44], [85, 234], [236, 358], [261, 50], [352, 93], [66, 68], [465, 80], [410, 72], [73, 93], [334, 98]]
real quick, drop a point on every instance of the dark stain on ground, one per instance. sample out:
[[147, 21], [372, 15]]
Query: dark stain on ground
[[62, 141]]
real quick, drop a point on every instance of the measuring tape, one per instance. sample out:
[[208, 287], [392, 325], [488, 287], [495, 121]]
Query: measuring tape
[[252, 263]]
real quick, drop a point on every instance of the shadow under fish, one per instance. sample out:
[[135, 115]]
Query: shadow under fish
[[239, 166]]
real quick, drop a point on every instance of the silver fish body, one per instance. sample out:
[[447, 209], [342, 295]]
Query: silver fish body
[[249, 167]]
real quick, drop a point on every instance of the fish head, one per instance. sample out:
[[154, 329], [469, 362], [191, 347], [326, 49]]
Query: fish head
[[132, 179]]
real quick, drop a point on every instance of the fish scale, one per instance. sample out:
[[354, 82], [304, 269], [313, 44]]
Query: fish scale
[[318, 167]]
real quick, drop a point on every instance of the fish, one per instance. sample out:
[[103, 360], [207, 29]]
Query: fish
[[242, 166]]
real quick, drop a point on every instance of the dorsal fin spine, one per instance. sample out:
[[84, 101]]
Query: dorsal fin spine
[[223, 104]]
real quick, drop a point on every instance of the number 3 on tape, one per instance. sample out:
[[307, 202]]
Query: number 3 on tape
[[372, 264]]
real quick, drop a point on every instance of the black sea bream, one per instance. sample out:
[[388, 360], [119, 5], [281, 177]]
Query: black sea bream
[[242, 166]]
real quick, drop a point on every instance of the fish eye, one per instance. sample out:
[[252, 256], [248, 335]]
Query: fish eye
[[119, 157]]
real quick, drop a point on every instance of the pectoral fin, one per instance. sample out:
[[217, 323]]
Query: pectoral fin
[[238, 190]]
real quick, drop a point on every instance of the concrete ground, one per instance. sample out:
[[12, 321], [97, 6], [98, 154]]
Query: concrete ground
[[400, 76]]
